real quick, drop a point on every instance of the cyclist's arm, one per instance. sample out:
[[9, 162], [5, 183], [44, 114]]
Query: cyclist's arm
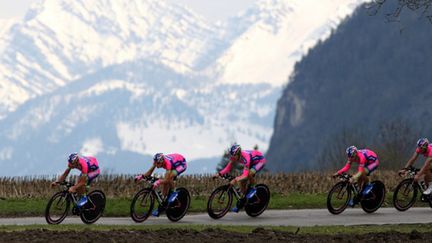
[[426, 166], [345, 168], [65, 174], [243, 176], [412, 160], [246, 168], [361, 170], [82, 181], [150, 171], [227, 168], [169, 176]]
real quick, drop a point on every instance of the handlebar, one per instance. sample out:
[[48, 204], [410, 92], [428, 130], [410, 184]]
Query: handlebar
[[150, 179], [227, 177], [344, 176], [410, 171], [65, 185]]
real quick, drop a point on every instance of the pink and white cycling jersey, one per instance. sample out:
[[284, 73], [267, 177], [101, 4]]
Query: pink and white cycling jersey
[[366, 158], [88, 164], [175, 162], [427, 153], [251, 159]]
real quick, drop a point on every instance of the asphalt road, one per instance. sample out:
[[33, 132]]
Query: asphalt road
[[306, 217]]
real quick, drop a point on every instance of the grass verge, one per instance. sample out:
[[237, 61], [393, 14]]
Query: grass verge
[[119, 207]]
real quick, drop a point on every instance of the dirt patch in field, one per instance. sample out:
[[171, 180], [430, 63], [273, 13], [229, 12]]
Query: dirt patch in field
[[208, 235]]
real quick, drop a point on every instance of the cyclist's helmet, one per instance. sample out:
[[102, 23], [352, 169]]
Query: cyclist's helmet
[[423, 143], [159, 157], [73, 157], [235, 150], [351, 151]]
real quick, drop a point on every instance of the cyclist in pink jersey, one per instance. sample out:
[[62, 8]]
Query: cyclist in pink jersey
[[253, 161], [89, 168], [423, 148], [368, 162], [175, 165]]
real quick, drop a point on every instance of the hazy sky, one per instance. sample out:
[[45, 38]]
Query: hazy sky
[[213, 10]]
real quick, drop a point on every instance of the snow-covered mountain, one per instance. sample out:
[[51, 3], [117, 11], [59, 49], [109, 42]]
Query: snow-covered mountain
[[124, 79], [275, 34], [60, 41]]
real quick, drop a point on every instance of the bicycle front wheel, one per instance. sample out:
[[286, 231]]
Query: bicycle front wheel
[[219, 202], [405, 195], [338, 197], [142, 205], [57, 208]]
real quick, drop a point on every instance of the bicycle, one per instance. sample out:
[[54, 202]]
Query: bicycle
[[345, 191], [144, 201], [405, 194], [223, 198], [58, 206]]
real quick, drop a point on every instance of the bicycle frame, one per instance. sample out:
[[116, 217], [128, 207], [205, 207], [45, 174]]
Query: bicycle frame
[[72, 196], [152, 180], [352, 187], [411, 172], [234, 189]]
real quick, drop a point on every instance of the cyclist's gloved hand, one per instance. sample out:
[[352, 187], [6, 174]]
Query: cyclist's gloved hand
[[335, 175], [54, 184], [156, 184], [216, 175], [138, 178]]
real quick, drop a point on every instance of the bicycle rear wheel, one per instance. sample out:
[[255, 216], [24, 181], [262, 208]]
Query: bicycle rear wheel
[[142, 205], [405, 195], [376, 198], [178, 209], [338, 197], [258, 203], [219, 202], [57, 208], [94, 208]]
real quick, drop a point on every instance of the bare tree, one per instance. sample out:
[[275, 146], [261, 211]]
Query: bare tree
[[395, 143], [333, 155], [423, 7]]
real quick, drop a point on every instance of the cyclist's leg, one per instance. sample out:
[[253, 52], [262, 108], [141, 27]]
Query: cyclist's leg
[[90, 177], [254, 170], [243, 185], [428, 176], [251, 177], [368, 170], [168, 183], [82, 189]]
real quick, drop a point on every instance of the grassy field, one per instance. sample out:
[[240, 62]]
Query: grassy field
[[122, 186], [119, 207]]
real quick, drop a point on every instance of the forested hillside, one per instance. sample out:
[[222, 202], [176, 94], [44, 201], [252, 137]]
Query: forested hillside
[[369, 84]]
